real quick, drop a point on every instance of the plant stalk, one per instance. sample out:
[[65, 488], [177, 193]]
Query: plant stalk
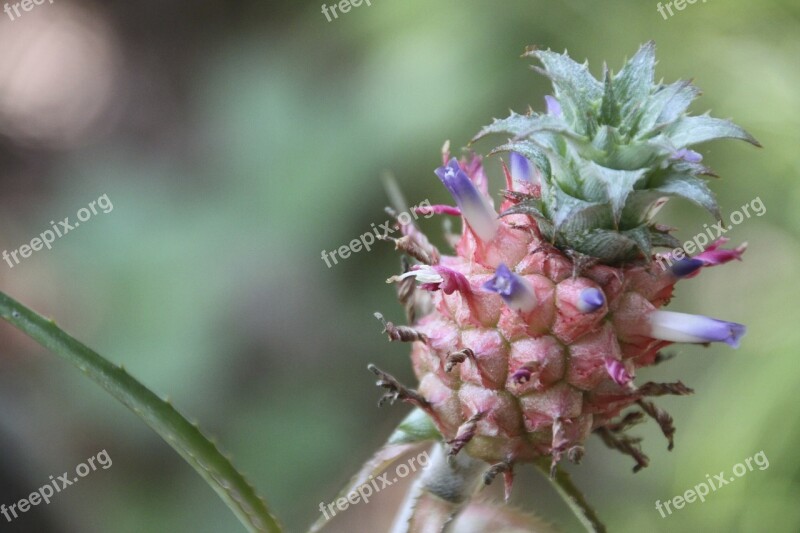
[[442, 490]]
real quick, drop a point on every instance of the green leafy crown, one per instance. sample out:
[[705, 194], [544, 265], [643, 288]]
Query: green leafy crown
[[610, 153]]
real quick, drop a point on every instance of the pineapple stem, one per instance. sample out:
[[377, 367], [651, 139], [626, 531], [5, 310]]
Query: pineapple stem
[[442, 490], [185, 437], [572, 496]]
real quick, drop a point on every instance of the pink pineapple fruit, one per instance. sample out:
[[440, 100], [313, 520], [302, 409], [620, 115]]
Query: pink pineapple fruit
[[530, 336]]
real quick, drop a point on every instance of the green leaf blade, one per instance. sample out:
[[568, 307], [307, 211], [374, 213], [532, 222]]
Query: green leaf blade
[[185, 437], [575, 88], [688, 131], [413, 432], [693, 189], [634, 82]]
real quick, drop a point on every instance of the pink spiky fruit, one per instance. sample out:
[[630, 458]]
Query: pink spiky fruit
[[530, 336]]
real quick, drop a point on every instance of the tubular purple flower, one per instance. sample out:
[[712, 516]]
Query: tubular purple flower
[[438, 209], [682, 327], [684, 154], [716, 255], [436, 277], [686, 267], [523, 375], [616, 369], [521, 168], [553, 107], [712, 256], [590, 300], [513, 288], [475, 208]]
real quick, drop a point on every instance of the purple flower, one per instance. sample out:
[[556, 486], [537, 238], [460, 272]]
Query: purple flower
[[683, 327], [684, 154], [714, 255], [553, 107], [515, 290], [438, 209], [436, 277], [475, 208], [711, 256], [523, 375], [521, 168], [590, 300], [686, 267], [616, 369]]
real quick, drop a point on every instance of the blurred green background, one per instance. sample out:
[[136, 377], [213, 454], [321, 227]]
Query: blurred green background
[[239, 140]]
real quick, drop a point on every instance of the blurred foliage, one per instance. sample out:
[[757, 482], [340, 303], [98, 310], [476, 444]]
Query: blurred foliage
[[242, 141]]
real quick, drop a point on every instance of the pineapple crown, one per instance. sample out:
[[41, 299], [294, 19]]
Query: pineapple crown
[[607, 155]]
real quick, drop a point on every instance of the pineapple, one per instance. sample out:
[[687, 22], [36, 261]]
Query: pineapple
[[529, 338]]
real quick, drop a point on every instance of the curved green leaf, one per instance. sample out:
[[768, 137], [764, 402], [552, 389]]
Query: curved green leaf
[[633, 83], [415, 428], [527, 148], [185, 437], [414, 431], [578, 92], [667, 105], [688, 131]]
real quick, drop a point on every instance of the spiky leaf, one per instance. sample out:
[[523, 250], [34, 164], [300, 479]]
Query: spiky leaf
[[635, 81], [688, 131], [413, 432], [415, 428], [618, 185], [515, 124], [641, 236], [530, 150], [691, 188], [616, 153], [667, 104], [663, 239], [610, 111], [606, 245], [576, 89], [570, 213]]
